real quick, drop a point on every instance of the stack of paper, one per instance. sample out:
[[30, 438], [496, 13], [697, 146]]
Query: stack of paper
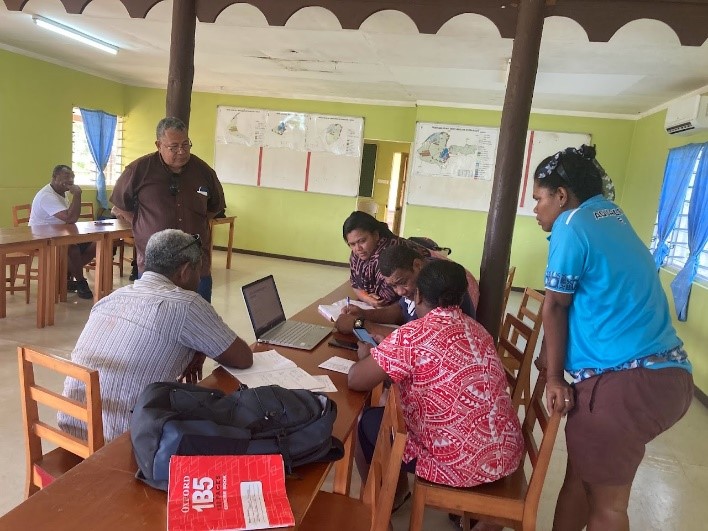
[[271, 368], [332, 311]]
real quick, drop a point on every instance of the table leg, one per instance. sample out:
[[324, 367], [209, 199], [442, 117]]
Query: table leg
[[100, 283], [51, 274], [63, 261], [42, 281], [343, 467], [3, 295], [229, 250]]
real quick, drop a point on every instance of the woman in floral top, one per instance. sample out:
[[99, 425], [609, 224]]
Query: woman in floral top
[[462, 427]]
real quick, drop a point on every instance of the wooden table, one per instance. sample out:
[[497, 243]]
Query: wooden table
[[102, 492], [229, 249], [60, 236], [25, 240]]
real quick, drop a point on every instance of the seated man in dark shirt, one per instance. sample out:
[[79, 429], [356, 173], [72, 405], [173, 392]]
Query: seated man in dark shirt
[[399, 266]]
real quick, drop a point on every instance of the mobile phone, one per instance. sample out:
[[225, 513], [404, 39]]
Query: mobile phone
[[363, 335], [343, 344]]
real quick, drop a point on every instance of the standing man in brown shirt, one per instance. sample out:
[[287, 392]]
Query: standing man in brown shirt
[[170, 189]]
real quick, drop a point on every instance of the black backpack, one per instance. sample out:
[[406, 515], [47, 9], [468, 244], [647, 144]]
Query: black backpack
[[172, 418]]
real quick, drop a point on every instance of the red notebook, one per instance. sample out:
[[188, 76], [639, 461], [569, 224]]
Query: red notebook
[[227, 492]]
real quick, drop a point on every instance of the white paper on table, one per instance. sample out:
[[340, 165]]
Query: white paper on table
[[327, 385], [332, 311], [292, 378], [266, 361], [337, 364]]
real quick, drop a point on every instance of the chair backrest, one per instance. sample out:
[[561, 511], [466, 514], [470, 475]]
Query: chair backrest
[[516, 358], [33, 394], [20, 214], [507, 290], [539, 453], [367, 205], [86, 211], [530, 311], [380, 487]]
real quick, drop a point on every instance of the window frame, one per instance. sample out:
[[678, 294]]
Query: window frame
[[678, 237], [82, 163]]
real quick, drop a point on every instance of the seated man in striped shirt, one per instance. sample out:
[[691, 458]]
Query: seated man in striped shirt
[[157, 329]]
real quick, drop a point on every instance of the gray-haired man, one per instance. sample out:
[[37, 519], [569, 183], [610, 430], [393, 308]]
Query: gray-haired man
[[153, 330], [170, 189]]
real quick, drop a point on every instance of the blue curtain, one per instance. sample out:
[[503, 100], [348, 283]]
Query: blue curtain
[[100, 127], [677, 175], [697, 237]]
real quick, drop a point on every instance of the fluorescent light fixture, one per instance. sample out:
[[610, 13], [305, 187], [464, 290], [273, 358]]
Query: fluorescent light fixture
[[72, 33]]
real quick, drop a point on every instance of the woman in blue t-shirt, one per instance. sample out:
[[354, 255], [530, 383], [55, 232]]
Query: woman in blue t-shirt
[[607, 323]]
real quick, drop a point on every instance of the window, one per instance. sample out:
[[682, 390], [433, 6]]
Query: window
[[678, 238], [81, 159]]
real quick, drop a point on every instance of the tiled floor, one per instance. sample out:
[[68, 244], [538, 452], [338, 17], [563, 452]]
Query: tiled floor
[[670, 489]]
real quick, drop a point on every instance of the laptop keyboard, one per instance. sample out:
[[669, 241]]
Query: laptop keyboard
[[295, 332]]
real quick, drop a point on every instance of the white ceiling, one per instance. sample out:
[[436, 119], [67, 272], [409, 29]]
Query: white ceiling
[[386, 60]]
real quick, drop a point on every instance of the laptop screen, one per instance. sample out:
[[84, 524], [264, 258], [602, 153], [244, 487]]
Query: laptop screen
[[263, 304]]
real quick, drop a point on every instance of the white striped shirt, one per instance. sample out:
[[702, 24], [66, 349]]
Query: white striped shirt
[[143, 333]]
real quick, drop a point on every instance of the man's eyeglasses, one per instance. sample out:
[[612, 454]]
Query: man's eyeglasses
[[196, 241], [176, 148]]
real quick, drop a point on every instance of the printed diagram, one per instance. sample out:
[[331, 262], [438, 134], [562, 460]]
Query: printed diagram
[[337, 135], [245, 127], [459, 152], [333, 133], [285, 130]]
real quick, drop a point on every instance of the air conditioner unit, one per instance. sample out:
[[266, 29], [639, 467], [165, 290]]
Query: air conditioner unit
[[686, 116]]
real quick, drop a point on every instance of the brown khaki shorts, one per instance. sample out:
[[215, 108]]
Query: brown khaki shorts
[[617, 414]]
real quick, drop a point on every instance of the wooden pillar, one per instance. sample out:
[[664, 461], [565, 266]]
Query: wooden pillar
[[181, 74], [509, 164]]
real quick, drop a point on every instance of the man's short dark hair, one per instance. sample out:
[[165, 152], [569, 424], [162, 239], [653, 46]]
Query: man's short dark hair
[[59, 169], [397, 257]]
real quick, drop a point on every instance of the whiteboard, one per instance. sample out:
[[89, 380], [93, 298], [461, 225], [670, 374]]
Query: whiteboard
[[453, 165], [289, 150]]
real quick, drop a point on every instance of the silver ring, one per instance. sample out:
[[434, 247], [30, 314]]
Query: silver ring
[[567, 399]]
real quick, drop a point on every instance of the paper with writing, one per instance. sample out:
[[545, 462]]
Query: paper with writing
[[337, 364]]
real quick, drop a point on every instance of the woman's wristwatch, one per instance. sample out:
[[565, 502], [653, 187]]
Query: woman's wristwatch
[[358, 322]]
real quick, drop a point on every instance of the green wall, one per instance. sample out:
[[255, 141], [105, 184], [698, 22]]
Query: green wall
[[36, 99], [645, 174]]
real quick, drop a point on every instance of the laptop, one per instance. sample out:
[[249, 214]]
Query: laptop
[[268, 318]]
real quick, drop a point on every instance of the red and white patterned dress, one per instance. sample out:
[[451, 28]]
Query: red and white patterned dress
[[462, 427]]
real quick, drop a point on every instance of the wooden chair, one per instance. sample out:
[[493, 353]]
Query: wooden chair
[[530, 312], [507, 290], [86, 212], [42, 469], [373, 512], [13, 261], [511, 501], [517, 356]]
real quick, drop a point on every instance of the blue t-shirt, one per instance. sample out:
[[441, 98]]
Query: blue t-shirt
[[619, 311]]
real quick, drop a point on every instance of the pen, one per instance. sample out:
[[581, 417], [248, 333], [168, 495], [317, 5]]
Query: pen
[[347, 301]]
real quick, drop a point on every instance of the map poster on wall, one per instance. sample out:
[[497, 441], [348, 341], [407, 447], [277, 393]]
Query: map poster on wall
[[289, 150], [334, 134], [241, 126], [453, 165], [458, 151], [285, 130]]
